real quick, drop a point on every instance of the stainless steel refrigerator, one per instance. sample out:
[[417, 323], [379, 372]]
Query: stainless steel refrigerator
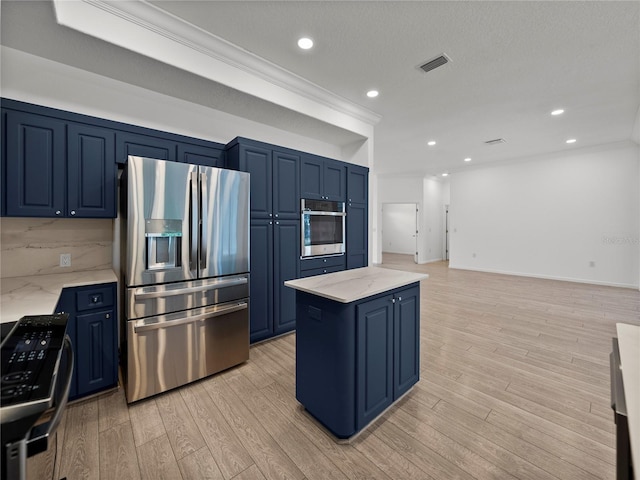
[[186, 271]]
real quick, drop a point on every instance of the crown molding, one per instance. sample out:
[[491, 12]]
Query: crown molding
[[178, 36]]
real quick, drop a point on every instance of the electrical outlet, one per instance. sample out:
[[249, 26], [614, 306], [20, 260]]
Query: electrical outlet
[[65, 259]]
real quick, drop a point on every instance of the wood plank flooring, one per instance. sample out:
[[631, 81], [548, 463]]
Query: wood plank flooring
[[514, 385]]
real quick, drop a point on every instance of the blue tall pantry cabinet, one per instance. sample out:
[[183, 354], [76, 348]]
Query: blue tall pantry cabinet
[[275, 233], [357, 216]]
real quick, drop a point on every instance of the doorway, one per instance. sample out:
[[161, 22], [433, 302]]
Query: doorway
[[400, 230]]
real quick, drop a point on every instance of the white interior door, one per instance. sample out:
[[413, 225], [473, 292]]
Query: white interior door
[[399, 228]]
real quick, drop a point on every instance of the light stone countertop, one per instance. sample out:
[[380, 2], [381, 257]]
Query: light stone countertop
[[629, 345], [351, 285], [39, 294]]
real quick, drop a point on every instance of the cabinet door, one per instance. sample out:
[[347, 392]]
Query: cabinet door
[[261, 280], [95, 333], [374, 358], [357, 235], [66, 305], [286, 187], [143, 146], [406, 340], [334, 180], [357, 184], [198, 155], [257, 161], [286, 242], [36, 166], [311, 171], [91, 172]]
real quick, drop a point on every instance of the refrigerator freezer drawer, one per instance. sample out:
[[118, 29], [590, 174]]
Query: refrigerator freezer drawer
[[171, 350], [160, 299]]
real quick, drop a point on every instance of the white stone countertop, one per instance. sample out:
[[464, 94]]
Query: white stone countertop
[[39, 294], [351, 285], [629, 345]]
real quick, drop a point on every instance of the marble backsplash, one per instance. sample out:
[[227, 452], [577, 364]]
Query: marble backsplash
[[32, 246]]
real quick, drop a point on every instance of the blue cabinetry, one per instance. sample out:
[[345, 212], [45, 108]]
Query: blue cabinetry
[[275, 232], [91, 172], [354, 360], [57, 169], [92, 327], [144, 146], [357, 217], [323, 178], [275, 250], [200, 155], [35, 172]]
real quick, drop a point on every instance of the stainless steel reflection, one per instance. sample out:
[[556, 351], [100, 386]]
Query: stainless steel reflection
[[171, 350], [186, 230]]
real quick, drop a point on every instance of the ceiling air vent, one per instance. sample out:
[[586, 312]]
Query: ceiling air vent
[[435, 63], [495, 141]]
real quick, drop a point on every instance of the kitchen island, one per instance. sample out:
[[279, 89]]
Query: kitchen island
[[357, 344]]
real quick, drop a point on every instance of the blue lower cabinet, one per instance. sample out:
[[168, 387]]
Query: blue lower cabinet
[[375, 355], [92, 327], [275, 253], [354, 360]]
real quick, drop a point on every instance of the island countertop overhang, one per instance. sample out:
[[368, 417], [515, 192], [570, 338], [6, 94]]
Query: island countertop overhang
[[353, 285]]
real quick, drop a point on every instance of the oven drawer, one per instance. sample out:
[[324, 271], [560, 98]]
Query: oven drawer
[[93, 297], [323, 262], [320, 271]]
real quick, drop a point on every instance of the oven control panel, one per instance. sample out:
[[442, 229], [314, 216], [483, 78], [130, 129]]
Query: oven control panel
[[29, 356]]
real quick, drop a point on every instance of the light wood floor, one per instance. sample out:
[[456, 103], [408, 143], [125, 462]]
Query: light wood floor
[[514, 384]]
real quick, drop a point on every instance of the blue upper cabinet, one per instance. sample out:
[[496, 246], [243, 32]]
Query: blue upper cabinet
[[286, 188], [91, 172], [58, 169], [35, 165], [275, 193], [144, 146], [322, 178], [199, 155], [357, 184]]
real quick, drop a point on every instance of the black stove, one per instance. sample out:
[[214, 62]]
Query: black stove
[[37, 364]]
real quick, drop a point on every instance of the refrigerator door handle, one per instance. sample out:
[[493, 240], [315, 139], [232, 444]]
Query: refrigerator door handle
[[204, 214], [147, 324], [141, 294], [193, 223]]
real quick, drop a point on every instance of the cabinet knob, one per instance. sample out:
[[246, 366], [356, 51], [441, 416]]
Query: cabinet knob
[[399, 299], [270, 223], [270, 215], [73, 212], [393, 300], [276, 215], [58, 212], [277, 223], [108, 315]]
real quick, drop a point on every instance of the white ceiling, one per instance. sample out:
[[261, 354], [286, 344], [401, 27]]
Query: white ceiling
[[512, 63]]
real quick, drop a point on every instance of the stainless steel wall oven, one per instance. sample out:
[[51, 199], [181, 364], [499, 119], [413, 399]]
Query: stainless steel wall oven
[[322, 227]]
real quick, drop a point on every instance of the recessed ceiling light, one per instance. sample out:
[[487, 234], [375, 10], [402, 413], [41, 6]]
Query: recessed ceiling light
[[373, 93], [571, 140], [445, 174], [559, 111], [468, 159], [431, 143], [305, 43]]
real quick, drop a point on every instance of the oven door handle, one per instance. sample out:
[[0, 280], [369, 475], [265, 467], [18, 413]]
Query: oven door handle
[[142, 326], [39, 436], [325, 214], [198, 288]]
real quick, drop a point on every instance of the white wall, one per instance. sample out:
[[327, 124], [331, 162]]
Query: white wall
[[433, 234], [399, 228], [37, 80], [571, 216]]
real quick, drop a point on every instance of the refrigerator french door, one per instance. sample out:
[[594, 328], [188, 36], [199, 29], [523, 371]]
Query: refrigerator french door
[[186, 273]]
